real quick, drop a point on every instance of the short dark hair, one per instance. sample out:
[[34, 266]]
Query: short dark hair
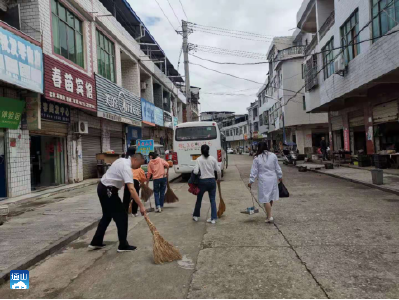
[[153, 154], [205, 150], [130, 151], [138, 156]]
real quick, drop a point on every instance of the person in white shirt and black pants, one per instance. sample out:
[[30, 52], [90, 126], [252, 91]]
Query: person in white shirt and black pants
[[206, 165], [118, 174]]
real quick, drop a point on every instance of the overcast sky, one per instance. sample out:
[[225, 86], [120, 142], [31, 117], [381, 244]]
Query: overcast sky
[[267, 17]]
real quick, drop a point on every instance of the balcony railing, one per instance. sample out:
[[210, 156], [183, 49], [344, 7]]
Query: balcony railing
[[289, 52], [311, 78], [311, 46], [327, 25]]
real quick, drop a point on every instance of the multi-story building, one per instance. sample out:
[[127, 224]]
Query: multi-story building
[[253, 124], [352, 71], [217, 116], [235, 129], [92, 79], [282, 106]]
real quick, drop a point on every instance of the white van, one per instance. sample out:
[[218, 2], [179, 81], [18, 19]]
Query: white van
[[187, 141]]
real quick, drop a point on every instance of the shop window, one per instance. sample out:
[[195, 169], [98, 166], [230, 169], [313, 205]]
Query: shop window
[[328, 58], [67, 33], [350, 37], [385, 14], [105, 57]]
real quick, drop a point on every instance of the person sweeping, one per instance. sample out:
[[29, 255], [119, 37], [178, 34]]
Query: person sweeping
[[206, 165], [156, 169], [118, 174], [265, 167]]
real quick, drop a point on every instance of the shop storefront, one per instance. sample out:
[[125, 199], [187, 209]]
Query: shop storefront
[[168, 124], [48, 155], [21, 75], [159, 130], [148, 114], [386, 126], [65, 89], [120, 106]]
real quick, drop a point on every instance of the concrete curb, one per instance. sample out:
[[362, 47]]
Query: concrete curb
[[379, 187], [49, 250]]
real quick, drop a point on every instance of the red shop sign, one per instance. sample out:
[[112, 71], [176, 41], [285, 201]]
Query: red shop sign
[[66, 85]]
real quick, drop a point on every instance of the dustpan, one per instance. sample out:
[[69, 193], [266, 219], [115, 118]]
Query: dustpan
[[250, 210]]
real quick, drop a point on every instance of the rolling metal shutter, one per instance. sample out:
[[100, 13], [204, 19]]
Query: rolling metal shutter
[[336, 123], [387, 112], [116, 141], [356, 118], [51, 128], [91, 145]]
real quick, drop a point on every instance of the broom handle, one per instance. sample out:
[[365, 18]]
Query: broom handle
[[150, 224], [220, 191]]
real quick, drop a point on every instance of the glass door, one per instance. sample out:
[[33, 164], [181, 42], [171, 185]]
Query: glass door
[[3, 185]]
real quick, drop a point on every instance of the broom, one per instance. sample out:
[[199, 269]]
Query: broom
[[146, 192], [222, 206], [163, 251], [170, 196]]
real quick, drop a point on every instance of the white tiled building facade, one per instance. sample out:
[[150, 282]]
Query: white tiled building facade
[[132, 69]]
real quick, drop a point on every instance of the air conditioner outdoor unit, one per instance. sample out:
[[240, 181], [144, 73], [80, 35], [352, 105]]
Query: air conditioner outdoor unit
[[143, 85], [82, 127], [339, 65]]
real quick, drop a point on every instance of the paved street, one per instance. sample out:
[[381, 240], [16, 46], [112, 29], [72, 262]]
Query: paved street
[[332, 239]]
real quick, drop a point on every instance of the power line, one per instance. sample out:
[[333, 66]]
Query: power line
[[177, 18], [183, 9], [231, 75], [230, 63], [174, 29]]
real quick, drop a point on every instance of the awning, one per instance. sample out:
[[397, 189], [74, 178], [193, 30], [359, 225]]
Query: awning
[[10, 112]]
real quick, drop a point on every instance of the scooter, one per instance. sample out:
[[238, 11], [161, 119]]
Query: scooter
[[290, 154]]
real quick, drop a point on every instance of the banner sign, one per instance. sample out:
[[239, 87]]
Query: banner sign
[[145, 147], [54, 111], [147, 112], [167, 119], [158, 116], [175, 121], [116, 103], [33, 115], [10, 112], [64, 84], [21, 62]]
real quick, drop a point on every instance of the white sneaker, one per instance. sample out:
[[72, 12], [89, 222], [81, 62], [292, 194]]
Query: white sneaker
[[136, 215], [159, 209], [271, 220], [195, 219], [211, 221]]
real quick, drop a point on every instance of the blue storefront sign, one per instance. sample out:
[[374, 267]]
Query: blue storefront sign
[[158, 116], [147, 112], [132, 135], [21, 62], [175, 121], [54, 111], [145, 147]]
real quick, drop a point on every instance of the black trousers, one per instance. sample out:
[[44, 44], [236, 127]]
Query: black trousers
[[127, 197], [113, 209]]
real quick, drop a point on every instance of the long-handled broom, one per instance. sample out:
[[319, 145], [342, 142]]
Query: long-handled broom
[[222, 206], [163, 251], [170, 196]]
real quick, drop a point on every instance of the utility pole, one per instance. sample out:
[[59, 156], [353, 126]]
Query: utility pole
[[187, 71]]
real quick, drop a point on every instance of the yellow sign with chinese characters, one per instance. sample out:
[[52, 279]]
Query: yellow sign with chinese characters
[[10, 112]]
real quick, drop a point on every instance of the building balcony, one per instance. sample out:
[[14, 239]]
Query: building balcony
[[306, 16], [327, 25], [313, 43], [296, 51]]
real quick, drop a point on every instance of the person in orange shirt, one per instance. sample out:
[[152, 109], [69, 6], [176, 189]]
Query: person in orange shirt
[[156, 169]]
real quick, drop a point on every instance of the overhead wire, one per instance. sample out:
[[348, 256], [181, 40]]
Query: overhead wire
[[177, 18], [183, 9], [174, 29]]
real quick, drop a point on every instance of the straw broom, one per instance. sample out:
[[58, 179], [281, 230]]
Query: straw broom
[[146, 192], [163, 251], [222, 206], [170, 196]]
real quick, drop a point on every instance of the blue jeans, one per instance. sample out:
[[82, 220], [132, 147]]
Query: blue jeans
[[159, 191], [206, 185]]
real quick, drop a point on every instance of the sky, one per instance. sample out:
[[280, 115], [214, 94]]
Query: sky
[[266, 17]]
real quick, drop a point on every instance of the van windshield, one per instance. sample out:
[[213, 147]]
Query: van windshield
[[199, 133]]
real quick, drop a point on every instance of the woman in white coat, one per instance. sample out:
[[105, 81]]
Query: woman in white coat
[[265, 167]]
